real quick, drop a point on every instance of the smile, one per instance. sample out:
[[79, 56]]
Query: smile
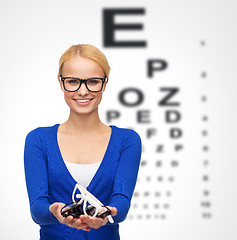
[[83, 101]]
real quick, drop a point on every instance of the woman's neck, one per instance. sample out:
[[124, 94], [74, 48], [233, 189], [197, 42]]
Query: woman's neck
[[83, 124]]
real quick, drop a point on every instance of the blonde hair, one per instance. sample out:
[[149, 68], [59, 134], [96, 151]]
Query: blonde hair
[[88, 51]]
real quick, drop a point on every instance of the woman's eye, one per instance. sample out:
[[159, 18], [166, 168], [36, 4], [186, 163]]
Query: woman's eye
[[72, 82], [93, 81]]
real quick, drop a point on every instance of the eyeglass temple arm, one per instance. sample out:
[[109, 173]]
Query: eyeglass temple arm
[[88, 197]]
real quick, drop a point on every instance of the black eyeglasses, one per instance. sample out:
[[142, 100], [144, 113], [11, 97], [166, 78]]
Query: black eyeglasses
[[76, 210], [72, 84]]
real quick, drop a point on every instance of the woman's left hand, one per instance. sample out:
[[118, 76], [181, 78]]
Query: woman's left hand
[[95, 222]]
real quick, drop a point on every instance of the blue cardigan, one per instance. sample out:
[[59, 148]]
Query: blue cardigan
[[48, 180]]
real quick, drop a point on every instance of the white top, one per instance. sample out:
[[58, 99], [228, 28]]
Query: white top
[[82, 173]]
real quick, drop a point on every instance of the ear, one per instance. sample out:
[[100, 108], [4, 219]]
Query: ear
[[61, 84], [105, 85]]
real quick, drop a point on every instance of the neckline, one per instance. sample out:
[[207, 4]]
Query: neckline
[[101, 166], [82, 164]]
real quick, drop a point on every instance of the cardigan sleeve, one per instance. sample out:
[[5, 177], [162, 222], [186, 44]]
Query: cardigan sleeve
[[126, 176], [36, 179]]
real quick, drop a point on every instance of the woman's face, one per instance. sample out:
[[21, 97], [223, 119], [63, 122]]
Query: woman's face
[[81, 67]]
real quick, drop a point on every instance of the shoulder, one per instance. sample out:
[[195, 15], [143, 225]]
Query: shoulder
[[41, 132], [127, 134]]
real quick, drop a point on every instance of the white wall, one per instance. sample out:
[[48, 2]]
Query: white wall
[[34, 34]]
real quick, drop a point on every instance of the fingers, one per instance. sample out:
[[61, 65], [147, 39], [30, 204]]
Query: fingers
[[113, 211], [85, 222], [77, 223], [93, 222], [55, 209], [83, 226]]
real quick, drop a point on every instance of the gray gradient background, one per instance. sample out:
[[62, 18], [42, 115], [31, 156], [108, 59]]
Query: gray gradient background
[[34, 34]]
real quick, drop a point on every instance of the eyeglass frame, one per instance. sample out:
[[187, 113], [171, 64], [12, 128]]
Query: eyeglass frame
[[75, 209], [83, 81]]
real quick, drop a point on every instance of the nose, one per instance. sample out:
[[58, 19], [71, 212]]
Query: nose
[[83, 90]]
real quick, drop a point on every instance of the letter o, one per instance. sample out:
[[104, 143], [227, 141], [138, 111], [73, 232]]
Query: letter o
[[140, 97]]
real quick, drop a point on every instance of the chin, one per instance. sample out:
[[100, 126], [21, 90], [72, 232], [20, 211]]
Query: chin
[[83, 112]]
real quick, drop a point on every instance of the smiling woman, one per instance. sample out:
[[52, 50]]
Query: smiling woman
[[104, 159], [86, 90]]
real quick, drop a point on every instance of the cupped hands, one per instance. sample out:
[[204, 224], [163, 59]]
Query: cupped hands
[[85, 222]]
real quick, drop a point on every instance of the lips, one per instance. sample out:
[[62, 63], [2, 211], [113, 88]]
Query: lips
[[83, 100]]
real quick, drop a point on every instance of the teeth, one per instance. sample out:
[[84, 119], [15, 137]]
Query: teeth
[[83, 100]]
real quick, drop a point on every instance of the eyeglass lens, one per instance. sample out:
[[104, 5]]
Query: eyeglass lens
[[71, 84]]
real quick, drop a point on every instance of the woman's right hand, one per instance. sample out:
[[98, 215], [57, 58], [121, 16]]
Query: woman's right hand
[[70, 221]]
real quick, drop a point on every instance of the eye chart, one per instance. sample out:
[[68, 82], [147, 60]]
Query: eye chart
[[171, 95]]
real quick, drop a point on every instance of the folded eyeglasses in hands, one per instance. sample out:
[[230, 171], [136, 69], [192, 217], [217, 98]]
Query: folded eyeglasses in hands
[[86, 204]]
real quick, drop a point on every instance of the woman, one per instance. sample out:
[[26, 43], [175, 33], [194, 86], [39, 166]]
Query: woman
[[105, 159]]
